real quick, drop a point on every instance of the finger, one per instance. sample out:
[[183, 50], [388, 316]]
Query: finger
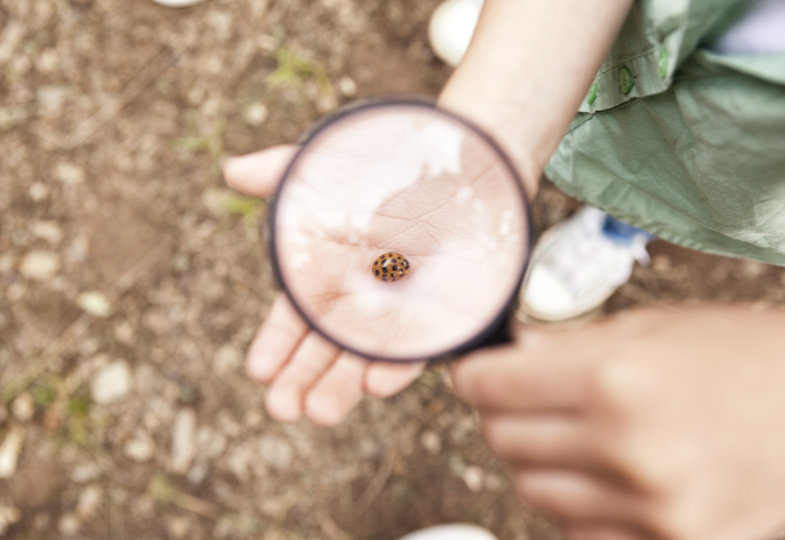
[[538, 440], [385, 379], [337, 391], [575, 495], [602, 531], [258, 174], [512, 378], [276, 340], [285, 399]]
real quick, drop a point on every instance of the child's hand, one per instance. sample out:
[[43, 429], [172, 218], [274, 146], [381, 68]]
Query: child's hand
[[307, 375], [654, 424]]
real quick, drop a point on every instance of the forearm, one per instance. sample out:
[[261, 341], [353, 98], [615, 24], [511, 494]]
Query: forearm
[[527, 69]]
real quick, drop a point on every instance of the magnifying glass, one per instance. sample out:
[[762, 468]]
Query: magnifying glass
[[400, 231]]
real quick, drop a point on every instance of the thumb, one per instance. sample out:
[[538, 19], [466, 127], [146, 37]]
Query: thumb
[[258, 174]]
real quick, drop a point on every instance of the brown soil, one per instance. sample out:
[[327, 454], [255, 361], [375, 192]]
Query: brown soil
[[114, 117]]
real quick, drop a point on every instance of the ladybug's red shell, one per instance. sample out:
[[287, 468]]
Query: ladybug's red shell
[[390, 266]]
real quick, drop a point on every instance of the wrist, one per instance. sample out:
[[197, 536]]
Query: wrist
[[528, 67], [499, 122]]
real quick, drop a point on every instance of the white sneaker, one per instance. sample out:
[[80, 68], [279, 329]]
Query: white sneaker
[[575, 268], [178, 3], [451, 28], [456, 531]]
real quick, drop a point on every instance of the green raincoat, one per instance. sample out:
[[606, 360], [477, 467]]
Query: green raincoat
[[680, 141]]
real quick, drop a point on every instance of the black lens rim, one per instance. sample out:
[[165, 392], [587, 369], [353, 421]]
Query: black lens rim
[[360, 106]]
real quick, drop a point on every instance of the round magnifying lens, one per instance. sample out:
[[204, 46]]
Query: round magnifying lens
[[400, 231]]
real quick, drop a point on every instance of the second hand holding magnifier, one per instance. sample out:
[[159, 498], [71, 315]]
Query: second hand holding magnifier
[[400, 232]]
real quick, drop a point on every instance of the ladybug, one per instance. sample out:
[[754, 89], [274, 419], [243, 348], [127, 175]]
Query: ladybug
[[390, 266]]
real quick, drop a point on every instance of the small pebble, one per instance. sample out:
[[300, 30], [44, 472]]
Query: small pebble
[[69, 173], [95, 303], [198, 473], [255, 114], [23, 407], [347, 86], [111, 383], [89, 501], [47, 230], [51, 100], [178, 3], [8, 516], [68, 524], [39, 265], [178, 526], [85, 472], [141, 448], [431, 442], [47, 60], [9, 452], [183, 441], [473, 477], [753, 269], [38, 191]]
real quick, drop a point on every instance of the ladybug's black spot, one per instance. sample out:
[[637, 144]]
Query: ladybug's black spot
[[395, 268], [384, 269], [376, 272]]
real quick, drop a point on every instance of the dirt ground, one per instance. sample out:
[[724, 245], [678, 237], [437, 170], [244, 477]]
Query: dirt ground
[[132, 282]]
